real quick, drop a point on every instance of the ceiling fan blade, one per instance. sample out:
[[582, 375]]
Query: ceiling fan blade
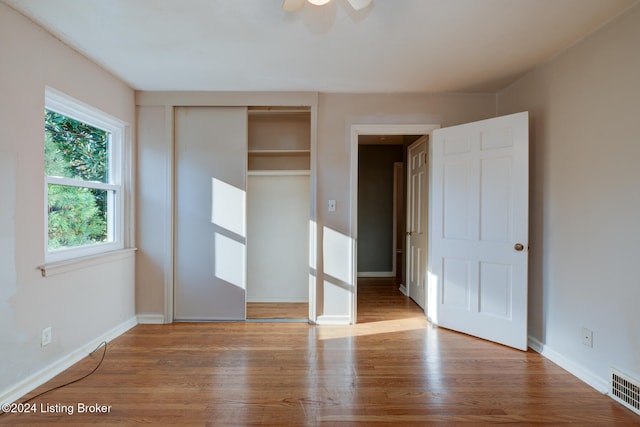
[[359, 4], [292, 5]]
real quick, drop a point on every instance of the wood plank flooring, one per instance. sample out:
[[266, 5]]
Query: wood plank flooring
[[390, 369], [278, 310]]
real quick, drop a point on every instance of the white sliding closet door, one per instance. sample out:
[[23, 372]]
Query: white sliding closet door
[[278, 242], [210, 239]]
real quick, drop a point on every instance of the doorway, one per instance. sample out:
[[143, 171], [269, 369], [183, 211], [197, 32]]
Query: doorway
[[362, 133], [478, 224], [380, 207]]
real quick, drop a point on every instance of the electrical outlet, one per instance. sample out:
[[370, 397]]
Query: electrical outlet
[[46, 337], [587, 337]]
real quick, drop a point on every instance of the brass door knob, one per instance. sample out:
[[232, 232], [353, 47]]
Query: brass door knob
[[519, 247]]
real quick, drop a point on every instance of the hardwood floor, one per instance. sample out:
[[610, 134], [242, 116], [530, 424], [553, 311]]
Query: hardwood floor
[[390, 369], [278, 310]]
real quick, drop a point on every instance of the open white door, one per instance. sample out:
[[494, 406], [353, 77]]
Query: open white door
[[417, 220], [479, 251]]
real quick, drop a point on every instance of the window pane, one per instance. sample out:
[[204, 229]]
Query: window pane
[[74, 149], [77, 216]]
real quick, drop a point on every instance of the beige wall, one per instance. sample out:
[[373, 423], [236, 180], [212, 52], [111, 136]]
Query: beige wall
[[335, 115], [585, 200], [153, 209], [80, 305], [337, 112]]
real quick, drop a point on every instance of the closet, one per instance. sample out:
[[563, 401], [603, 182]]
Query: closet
[[242, 210], [278, 207], [210, 224]]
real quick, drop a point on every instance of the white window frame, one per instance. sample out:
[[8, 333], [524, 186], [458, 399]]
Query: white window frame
[[118, 145]]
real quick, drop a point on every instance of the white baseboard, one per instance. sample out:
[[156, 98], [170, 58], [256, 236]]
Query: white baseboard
[[150, 319], [333, 320], [570, 366], [404, 290], [42, 376]]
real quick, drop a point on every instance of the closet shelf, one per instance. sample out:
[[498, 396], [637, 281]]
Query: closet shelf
[[267, 172], [279, 152], [271, 111]]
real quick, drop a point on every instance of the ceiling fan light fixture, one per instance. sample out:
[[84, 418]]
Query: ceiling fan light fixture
[[292, 5], [295, 5], [359, 4]]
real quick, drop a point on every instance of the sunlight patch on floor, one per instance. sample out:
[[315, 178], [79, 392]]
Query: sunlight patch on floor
[[372, 328]]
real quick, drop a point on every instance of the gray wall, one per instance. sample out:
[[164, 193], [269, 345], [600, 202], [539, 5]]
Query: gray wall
[[585, 200]]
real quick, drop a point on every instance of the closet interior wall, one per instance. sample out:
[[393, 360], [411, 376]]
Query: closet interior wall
[[278, 205]]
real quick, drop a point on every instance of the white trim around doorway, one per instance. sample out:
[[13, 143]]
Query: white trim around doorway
[[356, 131]]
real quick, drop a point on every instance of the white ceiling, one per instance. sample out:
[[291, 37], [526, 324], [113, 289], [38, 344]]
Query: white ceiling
[[253, 45]]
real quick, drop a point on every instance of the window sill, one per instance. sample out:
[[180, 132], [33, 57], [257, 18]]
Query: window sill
[[60, 267]]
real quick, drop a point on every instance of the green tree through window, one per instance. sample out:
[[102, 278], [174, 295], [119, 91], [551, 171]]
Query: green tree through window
[[77, 215]]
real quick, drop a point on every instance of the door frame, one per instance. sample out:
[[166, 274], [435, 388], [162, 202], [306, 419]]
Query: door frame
[[356, 131]]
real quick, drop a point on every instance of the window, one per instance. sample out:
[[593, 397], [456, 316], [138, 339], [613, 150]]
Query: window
[[83, 176]]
